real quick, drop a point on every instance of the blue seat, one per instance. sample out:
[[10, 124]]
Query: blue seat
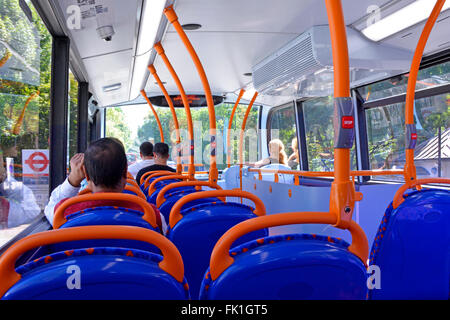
[[161, 184], [173, 197], [105, 273], [411, 248], [294, 266], [198, 231]]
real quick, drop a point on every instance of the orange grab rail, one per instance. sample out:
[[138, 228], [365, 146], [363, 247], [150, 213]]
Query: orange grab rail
[[241, 137], [230, 124], [152, 188], [161, 133], [128, 187], [18, 125], [151, 174], [176, 216], [160, 50], [160, 199], [149, 214], [172, 262], [410, 169], [342, 195], [221, 260], [173, 19], [152, 70], [129, 175], [398, 198]]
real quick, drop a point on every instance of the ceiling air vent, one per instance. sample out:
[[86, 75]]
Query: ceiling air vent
[[304, 66]]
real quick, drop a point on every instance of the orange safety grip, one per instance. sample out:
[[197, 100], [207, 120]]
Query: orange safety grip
[[172, 262], [129, 175], [136, 190], [161, 133], [221, 260], [161, 199], [230, 124], [149, 214], [398, 198], [152, 188], [176, 216], [152, 174]]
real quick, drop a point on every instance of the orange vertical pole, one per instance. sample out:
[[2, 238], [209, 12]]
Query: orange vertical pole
[[160, 50], [241, 138], [173, 19], [411, 135], [18, 125], [152, 70], [154, 114], [343, 195], [230, 124]]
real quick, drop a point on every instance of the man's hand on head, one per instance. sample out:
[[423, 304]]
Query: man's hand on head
[[76, 171]]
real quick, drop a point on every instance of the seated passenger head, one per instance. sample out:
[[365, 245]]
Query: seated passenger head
[[105, 166], [161, 153], [146, 150], [276, 151]]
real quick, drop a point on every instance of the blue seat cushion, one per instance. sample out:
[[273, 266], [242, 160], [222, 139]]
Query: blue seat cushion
[[104, 273], [294, 266]]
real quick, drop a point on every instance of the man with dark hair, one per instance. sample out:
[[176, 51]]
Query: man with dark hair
[[160, 154], [104, 165], [146, 151]]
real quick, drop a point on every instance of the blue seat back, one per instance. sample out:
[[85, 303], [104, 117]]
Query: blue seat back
[[152, 197], [105, 216], [411, 248], [289, 267], [196, 234], [104, 273]]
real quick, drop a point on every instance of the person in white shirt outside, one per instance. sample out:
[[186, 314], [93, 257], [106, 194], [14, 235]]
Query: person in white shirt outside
[[146, 152], [104, 166]]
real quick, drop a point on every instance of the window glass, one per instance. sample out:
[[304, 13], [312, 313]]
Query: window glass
[[319, 130], [25, 69], [427, 78], [134, 124], [72, 137], [386, 136], [282, 126]]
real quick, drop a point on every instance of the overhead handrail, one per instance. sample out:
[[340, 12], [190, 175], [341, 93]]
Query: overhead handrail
[[230, 124], [221, 259], [241, 137], [172, 262], [149, 214], [161, 133], [173, 19], [152, 70], [160, 50], [176, 216], [160, 199], [410, 127]]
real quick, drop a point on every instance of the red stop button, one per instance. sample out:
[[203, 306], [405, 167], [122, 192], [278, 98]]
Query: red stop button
[[348, 122]]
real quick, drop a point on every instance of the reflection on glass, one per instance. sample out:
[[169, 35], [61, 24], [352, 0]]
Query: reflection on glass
[[25, 62]]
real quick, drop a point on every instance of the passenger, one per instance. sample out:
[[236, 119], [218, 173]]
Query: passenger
[[293, 160], [146, 152], [161, 154], [277, 155], [104, 165]]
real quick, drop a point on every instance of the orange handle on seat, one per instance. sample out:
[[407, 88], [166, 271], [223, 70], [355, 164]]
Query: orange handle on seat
[[161, 199], [152, 188], [129, 175], [398, 198], [151, 174], [132, 181], [85, 191], [172, 262], [149, 214], [136, 190], [176, 216], [220, 257]]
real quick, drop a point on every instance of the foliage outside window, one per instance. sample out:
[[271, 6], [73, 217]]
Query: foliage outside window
[[25, 71], [320, 135], [135, 124]]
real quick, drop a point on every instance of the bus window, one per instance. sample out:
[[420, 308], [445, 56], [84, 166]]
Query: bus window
[[386, 136], [72, 137], [25, 71], [318, 115], [282, 126]]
